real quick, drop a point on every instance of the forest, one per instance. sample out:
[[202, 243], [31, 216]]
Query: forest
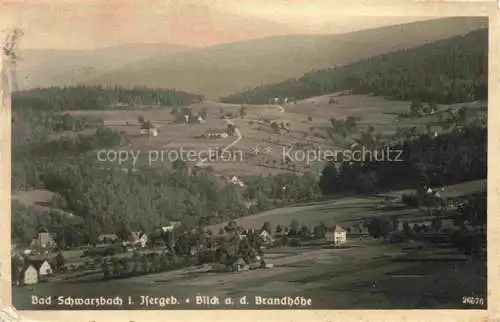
[[109, 200], [451, 158], [449, 71], [99, 98]]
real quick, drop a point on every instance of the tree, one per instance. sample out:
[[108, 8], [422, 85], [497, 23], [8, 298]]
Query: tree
[[294, 227], [433, 107], [243, 111], [380, 227], [304, 232], [203, 113], [436, 224], [275, 127], [60, 261], [416, 107], [309, 119], [406, 228], [267, 227], [140, 119], [320, 230], [278, 229]]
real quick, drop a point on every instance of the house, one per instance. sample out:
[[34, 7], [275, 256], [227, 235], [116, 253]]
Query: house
[[241, 265], [266, 236], [107, 238], [149, 129], [200, 119], [216, 133], [336, 235], [436, 130], [43, 267], [43, 240], [30, 275], [138, 238], [236, 181], [171, 226]]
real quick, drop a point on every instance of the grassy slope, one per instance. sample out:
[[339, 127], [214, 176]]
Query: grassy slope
[[374, 111], [344, 210]]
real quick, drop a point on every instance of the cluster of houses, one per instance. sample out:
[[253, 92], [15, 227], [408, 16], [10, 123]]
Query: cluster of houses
[[335, 235], [30, 270], [32, 263]]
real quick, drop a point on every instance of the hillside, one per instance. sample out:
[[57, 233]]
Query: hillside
[[447, 71], [243, 65], [41, 68]]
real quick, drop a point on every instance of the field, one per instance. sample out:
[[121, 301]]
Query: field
[[365, 275], [255, 132], [345, 211]]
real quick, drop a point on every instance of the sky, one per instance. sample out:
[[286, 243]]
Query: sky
[[88, 24]]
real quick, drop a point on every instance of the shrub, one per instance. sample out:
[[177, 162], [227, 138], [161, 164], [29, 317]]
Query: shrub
[[411, 200]]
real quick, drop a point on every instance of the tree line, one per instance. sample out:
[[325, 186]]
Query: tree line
[[448, 71], [451, 158], [98, 97]]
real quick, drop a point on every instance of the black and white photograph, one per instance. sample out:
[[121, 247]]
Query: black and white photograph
[[245, 156]]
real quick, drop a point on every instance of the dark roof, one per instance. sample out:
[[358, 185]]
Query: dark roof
[[36, 262], [112, 236]]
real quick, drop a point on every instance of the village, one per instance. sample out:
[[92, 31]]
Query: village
[[44, 261], [231, 247]]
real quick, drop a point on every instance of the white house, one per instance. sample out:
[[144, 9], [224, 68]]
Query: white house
[[171, 226], [266, 236], [139, 238], [337, 235], [45, 268], [235, 180], [30, 275], [200, 119], [151, 131], [216, 133]]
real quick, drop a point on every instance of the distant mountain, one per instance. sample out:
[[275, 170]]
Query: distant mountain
[[229, 68], [43, 68]]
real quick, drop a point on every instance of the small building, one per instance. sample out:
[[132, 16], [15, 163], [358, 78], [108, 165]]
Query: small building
[[241, 265], [266, 236], [138, 238], [216, 133], [30, 275], [200, 119], [43, 240], [171, 226], [153, 131], [436, 130], [236, 181], [107, 238], [45, 268], [336, 235]]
